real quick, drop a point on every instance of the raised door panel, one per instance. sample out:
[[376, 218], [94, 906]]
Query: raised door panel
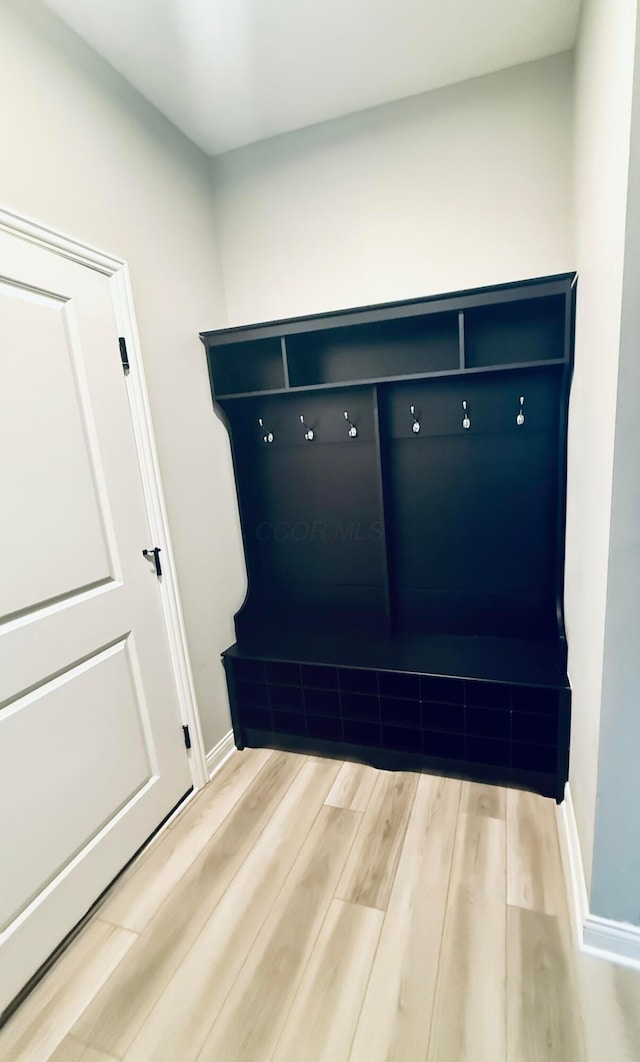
[[55, 536], [95, 721]]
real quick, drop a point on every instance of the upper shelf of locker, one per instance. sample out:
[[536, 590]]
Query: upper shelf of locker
[[503, 327]]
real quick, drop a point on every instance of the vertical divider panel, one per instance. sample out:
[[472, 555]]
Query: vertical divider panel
[[285, 360], [563, 423], [384, 509], [461, 339]]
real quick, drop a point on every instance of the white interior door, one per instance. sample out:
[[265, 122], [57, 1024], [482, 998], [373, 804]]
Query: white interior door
[[91, 747]]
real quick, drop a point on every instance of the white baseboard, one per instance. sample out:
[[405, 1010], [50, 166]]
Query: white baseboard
[[618, 942], [220, 753]]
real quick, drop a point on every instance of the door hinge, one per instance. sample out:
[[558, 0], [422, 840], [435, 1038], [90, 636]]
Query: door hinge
[[123, 354], [187, 737], [154, 555]]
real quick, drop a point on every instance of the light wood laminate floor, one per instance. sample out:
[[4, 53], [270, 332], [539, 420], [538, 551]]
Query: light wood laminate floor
[[304, 910]]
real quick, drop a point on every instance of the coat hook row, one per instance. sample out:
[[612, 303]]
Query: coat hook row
[[309, 432], [466, 418]]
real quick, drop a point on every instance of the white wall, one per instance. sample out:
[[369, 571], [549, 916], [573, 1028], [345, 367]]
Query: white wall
[[603, 93], [83, 152], [615, 890], [466, 186]]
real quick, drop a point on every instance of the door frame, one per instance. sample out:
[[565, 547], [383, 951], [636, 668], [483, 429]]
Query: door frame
[[117, 270]]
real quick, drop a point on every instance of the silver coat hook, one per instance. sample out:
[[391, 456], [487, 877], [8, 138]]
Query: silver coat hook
[[466, 423], [353, 431], [416, 423], [268, 436], [520, 417], [309, 433]]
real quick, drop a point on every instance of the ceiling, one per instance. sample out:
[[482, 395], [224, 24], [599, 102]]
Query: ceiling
[[231, 72]]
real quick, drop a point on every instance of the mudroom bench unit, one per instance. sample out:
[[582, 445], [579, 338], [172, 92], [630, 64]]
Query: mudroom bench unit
[[401, 480]]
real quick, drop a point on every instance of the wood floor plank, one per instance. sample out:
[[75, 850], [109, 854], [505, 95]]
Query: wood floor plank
[[323, 1017], [255, 1010], [118, 1011], [468, 1022], [534, 866], [71, 1050], [610, 997], [186, 1010], [395, 1019], [543, 1014], [368, 875], [135, 901], [480, 799], [42, 1022], [238, 770], [353, 787]]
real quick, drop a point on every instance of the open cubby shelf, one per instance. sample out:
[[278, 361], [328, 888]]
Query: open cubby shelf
[[409, 346], [261, 368], [401, 482], [528, 330]]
